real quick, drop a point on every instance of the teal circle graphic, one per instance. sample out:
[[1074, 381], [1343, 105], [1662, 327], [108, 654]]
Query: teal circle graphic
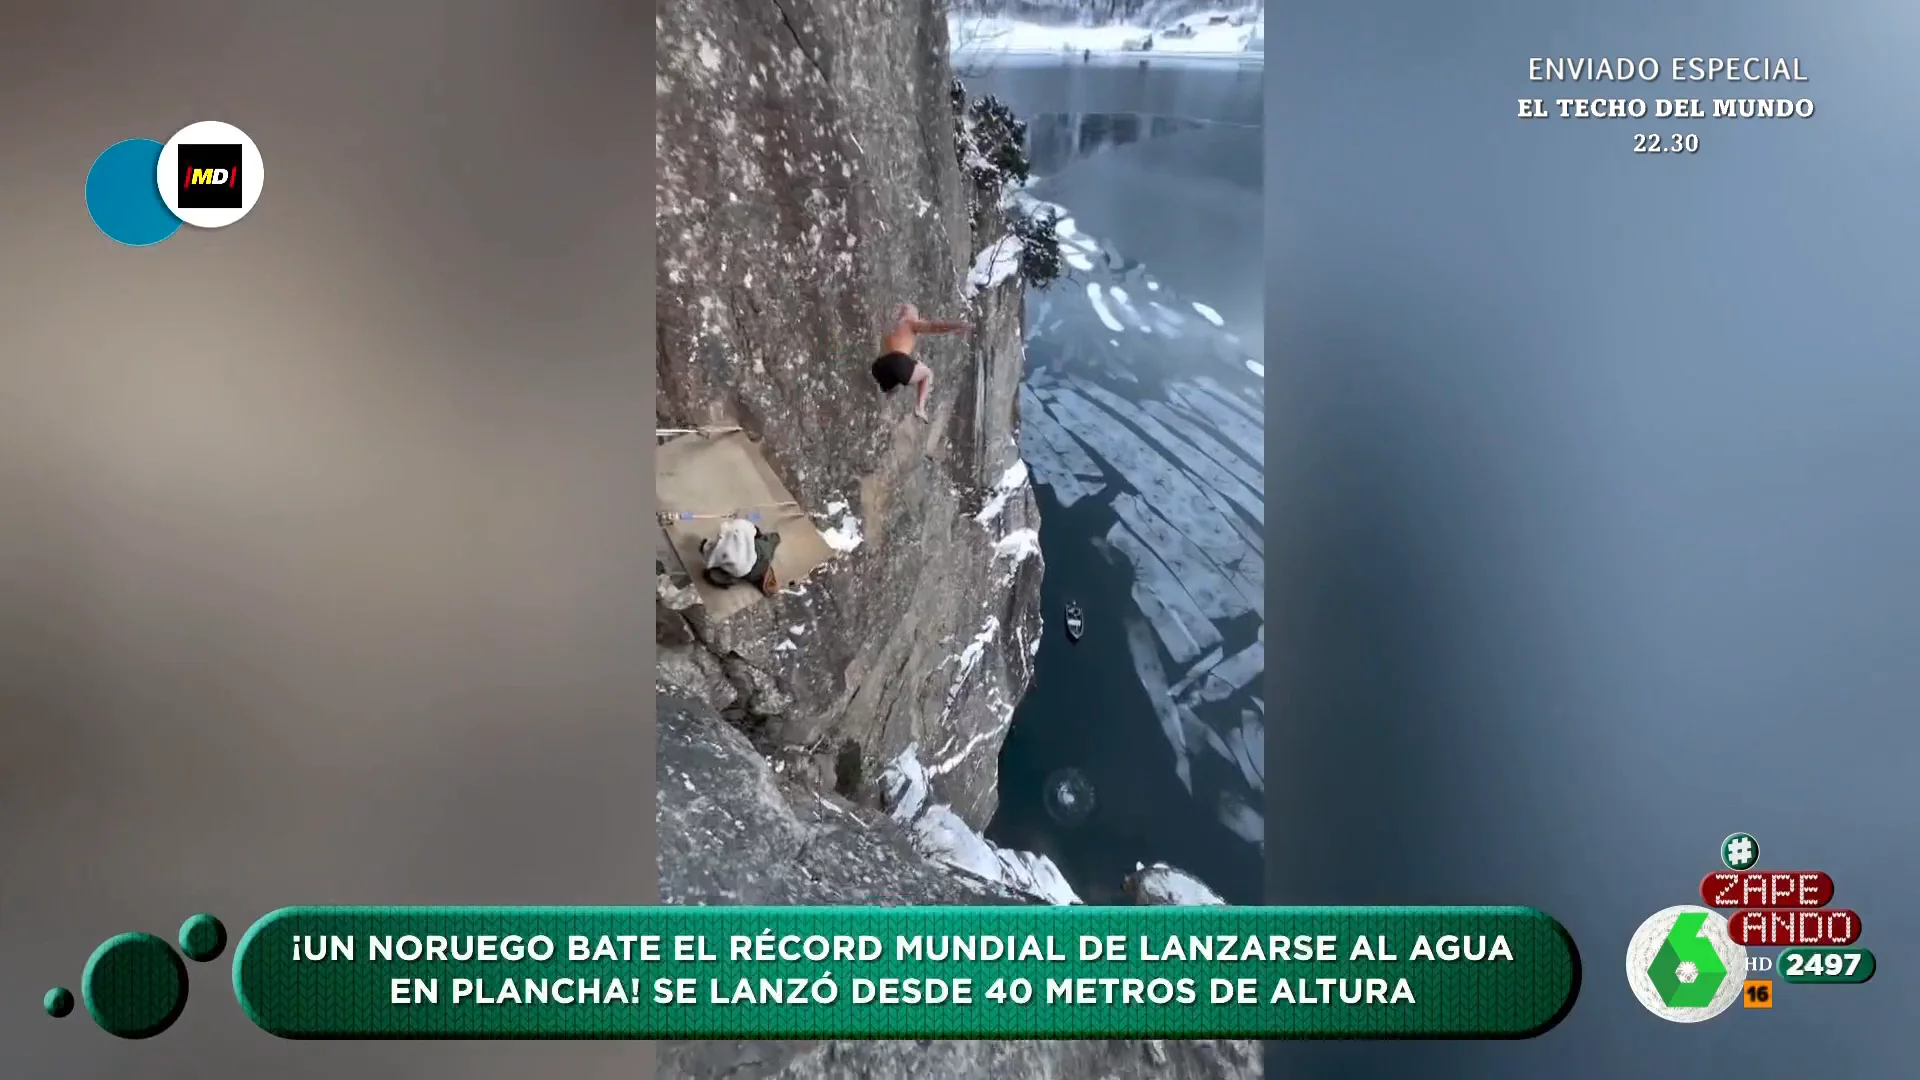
[[58, 1002], [203, 938], [123, 198], [1739, 851], [135, 986]]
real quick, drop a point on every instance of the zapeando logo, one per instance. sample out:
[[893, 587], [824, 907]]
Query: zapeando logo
[[1681, 964]]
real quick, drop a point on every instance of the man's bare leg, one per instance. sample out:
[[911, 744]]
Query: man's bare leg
[[922, 379]]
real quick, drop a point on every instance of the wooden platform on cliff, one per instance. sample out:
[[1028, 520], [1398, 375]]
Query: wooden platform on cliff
[[700, 478]]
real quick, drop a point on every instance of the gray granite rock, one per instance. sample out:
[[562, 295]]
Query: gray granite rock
[[808, 183], [732, 831]]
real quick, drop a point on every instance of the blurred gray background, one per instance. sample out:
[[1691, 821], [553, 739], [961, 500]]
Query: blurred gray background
[[322, 536], [1594, 495]]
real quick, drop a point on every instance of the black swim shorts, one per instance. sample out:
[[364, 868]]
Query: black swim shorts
[[893, 371]]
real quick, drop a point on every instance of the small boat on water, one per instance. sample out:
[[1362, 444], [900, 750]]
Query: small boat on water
[[1076, 621]]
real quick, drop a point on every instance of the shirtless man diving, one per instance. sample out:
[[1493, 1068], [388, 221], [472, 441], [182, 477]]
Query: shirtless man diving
[[897, 367]]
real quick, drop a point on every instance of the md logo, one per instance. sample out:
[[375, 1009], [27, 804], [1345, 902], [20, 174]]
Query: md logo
[[210, 176]]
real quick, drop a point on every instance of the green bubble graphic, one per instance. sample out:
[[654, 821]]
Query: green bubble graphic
[[58, 1002], [135, 986], [203, 938]]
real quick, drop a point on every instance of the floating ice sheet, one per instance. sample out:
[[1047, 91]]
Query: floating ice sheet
[[1249, 744], [1198, 733], [1231, 675], [1242, 820], [1150, 473], [1100, 308], [1210, 445], [1247, 402], [1225, 415], [1216, 592], [1196, 462], [1153, 677], [1056, 458], [1167, 322], [1195, 673], [1170, 610]]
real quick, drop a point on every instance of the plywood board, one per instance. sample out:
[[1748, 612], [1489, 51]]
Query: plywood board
[[716, 475]]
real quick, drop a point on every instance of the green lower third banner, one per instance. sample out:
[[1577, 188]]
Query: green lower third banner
[[906, 973]]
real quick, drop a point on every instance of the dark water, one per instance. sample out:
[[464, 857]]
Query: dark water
[[1146, 444]]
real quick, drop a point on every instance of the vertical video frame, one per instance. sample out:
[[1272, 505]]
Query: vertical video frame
[[960, 425]]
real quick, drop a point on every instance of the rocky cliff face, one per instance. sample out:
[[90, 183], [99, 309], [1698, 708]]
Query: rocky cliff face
[[808, 184], [733, 831]]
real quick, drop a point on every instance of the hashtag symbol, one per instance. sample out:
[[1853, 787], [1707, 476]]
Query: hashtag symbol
[[1739, 851]]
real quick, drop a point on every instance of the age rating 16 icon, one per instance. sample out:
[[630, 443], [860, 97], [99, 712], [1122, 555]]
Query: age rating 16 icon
[[208, 175]]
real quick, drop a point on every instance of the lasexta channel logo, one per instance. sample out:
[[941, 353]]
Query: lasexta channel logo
[[210, 176], [1687, 971], [1684, 966]]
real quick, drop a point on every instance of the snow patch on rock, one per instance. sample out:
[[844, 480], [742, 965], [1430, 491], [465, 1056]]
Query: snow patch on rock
[[939, 834], [1011, 483], [1018, 546], [844, 536], [996, 263], [969, 659], [1164, 885]]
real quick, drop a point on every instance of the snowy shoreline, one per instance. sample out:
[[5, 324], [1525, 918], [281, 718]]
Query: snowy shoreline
[[1032, 56], [985, 38]]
